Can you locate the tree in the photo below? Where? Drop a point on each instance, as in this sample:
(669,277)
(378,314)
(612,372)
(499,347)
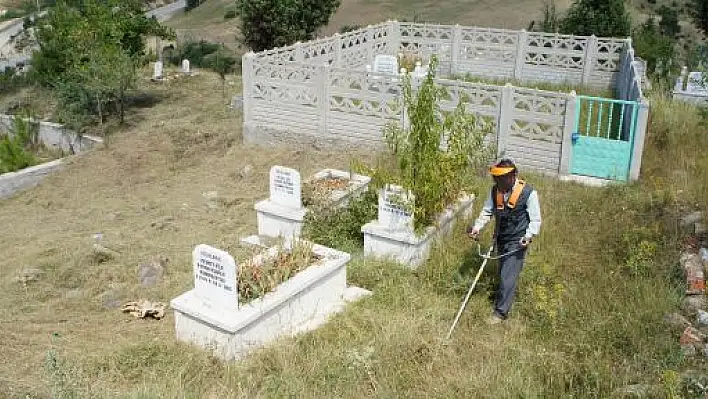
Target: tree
(654,47)
(265,24)
(669,23)
(604,18)
(699,12)
(221,62)
(72,23)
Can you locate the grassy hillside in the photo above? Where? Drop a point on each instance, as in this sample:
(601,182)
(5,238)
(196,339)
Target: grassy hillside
(587,319)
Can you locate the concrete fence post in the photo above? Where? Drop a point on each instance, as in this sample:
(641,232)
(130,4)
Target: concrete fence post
(571,104)
(521,44)
(247,79)
(337,50)
(323,97)
(589,59)
(455,49)
(506,117)
(394,36)
(639,139)
(369,45)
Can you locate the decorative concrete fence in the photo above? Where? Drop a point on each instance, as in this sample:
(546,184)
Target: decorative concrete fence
(321,92)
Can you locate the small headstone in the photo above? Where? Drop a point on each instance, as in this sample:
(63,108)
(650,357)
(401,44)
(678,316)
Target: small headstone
(392,212)
(237,103)
(157,74)
(215,276)
(185,66)
(285,187)
(151,273)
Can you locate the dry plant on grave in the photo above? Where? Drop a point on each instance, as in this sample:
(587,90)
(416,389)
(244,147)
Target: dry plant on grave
(261,275)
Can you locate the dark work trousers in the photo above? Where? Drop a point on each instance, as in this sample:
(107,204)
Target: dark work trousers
(509,269)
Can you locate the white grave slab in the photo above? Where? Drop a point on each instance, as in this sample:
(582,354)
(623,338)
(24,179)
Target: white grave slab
(157,73)
(285,187)
(215,277)
(391,213)
(185,66)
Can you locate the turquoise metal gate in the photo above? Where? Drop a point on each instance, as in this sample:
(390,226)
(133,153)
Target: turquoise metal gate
(603,138)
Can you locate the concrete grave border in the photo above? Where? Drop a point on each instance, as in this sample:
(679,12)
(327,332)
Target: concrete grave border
(300,304)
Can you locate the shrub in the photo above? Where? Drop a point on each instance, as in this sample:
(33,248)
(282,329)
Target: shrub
(230,14)
(195,52)
(13,155)
(265,24)
(435,177)
(349,28)
(605,18)
(340,228)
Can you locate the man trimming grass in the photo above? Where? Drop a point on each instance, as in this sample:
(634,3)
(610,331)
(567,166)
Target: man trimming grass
(517,213)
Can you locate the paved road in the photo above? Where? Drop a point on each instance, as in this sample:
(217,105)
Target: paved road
(166,12)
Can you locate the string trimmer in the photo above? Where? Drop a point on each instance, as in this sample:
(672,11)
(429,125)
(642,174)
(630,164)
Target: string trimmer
(479,273)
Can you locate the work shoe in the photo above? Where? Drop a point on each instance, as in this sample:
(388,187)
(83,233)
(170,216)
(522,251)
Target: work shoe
(494,319)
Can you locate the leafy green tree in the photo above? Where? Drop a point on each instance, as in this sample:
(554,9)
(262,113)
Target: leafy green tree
(604,18)
(222,62)
(654,47)
(669,23)
(266,24)
(71,23)
(698,9)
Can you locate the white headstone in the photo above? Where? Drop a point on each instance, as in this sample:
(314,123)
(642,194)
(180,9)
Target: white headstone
(185,66)
(392,212)
(215,277)
(158,70)
(285,187)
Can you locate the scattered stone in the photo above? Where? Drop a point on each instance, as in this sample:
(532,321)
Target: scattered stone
(692,218)
(144,309)
(693,266)
(212,199)
(29,275)
(74,294)
(702,318)
(677,321)
(151,273)
(110,300)
(693,303)
(102,254)
(166,223)
(691,336)
(699,228)
(688,350)
(247,171)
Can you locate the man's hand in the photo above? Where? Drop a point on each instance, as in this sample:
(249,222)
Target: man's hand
(525,241)
(472,233)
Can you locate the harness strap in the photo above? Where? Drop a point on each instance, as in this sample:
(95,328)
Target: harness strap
(515,194)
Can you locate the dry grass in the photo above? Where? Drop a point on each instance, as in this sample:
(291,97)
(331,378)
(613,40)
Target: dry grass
(145,195)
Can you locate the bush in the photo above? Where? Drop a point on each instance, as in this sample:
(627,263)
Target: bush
(604,18)
(231,14)
(196,52)
(655,48)
(435,177)
(13,155)
(341,228)
(265,24)
(192,4)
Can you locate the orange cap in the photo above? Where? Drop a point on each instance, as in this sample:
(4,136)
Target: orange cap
(500,170)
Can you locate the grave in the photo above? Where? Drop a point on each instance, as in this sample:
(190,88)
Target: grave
(337,197)
(210,316)
(282,214)
(185,67)
(391,236)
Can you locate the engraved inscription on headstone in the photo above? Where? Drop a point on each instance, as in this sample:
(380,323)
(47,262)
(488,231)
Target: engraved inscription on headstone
(215,276)
(285,187)
(392,209)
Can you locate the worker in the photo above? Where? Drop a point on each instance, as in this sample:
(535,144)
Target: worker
(515,207)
